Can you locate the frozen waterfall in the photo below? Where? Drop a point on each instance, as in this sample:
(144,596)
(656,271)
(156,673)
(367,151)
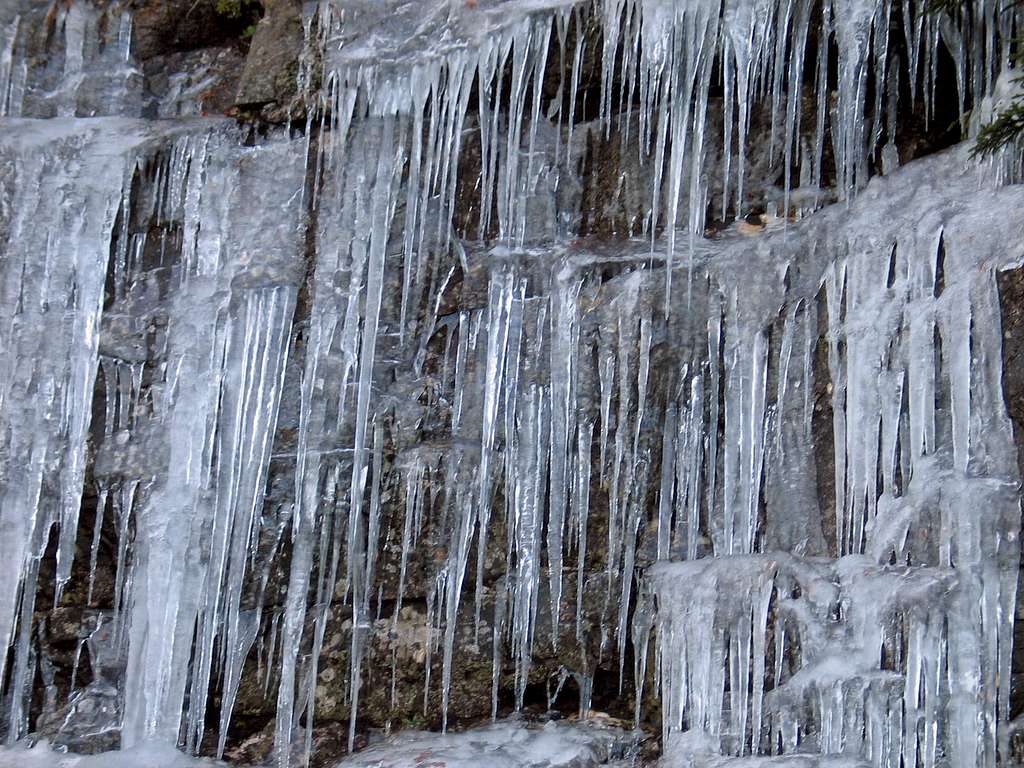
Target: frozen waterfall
(611,350)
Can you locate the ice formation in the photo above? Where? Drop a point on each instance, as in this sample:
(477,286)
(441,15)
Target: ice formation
(154,755)
(174,290)
(89,72)
(502,745)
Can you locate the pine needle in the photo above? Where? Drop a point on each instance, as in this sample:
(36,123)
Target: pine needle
(1005,129)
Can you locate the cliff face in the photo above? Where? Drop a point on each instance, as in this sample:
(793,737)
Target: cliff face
(400,365)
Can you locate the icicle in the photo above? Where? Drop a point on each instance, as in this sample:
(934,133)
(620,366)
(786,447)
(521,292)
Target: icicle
(667,489)
(218,411)
(581,505)
(249,407)
(94,547)
(564,335)
(53,273)
(500,293)
(690,440)
(12,71)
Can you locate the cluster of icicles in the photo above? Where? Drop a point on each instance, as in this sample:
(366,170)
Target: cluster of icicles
(151,273)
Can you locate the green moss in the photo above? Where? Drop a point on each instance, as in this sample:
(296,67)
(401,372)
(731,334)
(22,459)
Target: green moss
(952,7)
(415,723)
(240,9)
(242,14)
(230,8)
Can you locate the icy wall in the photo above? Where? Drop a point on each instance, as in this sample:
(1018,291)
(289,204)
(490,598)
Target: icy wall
(347,419)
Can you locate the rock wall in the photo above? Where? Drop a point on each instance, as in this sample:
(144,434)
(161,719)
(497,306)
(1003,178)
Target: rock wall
(561,361)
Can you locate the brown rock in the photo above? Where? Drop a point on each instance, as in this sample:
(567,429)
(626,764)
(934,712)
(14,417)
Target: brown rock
(269,77)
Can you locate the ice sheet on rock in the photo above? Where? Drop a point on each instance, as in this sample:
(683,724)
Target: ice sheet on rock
(503,401)
(66,183)
(70,60)
(694,749)
(425,59)
(548,306)
(431,87)
(91,716)
(153,755)
(504,744)
(187,87)
(229,327)
(336,424)
(871,639)
(397,32)
(859,653)
(673,760)
(94,245)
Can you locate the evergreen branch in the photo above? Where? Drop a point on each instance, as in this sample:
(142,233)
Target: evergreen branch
(1006,128)
(952,7)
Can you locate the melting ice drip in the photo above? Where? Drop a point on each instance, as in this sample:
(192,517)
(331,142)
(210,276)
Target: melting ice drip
(166,306)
